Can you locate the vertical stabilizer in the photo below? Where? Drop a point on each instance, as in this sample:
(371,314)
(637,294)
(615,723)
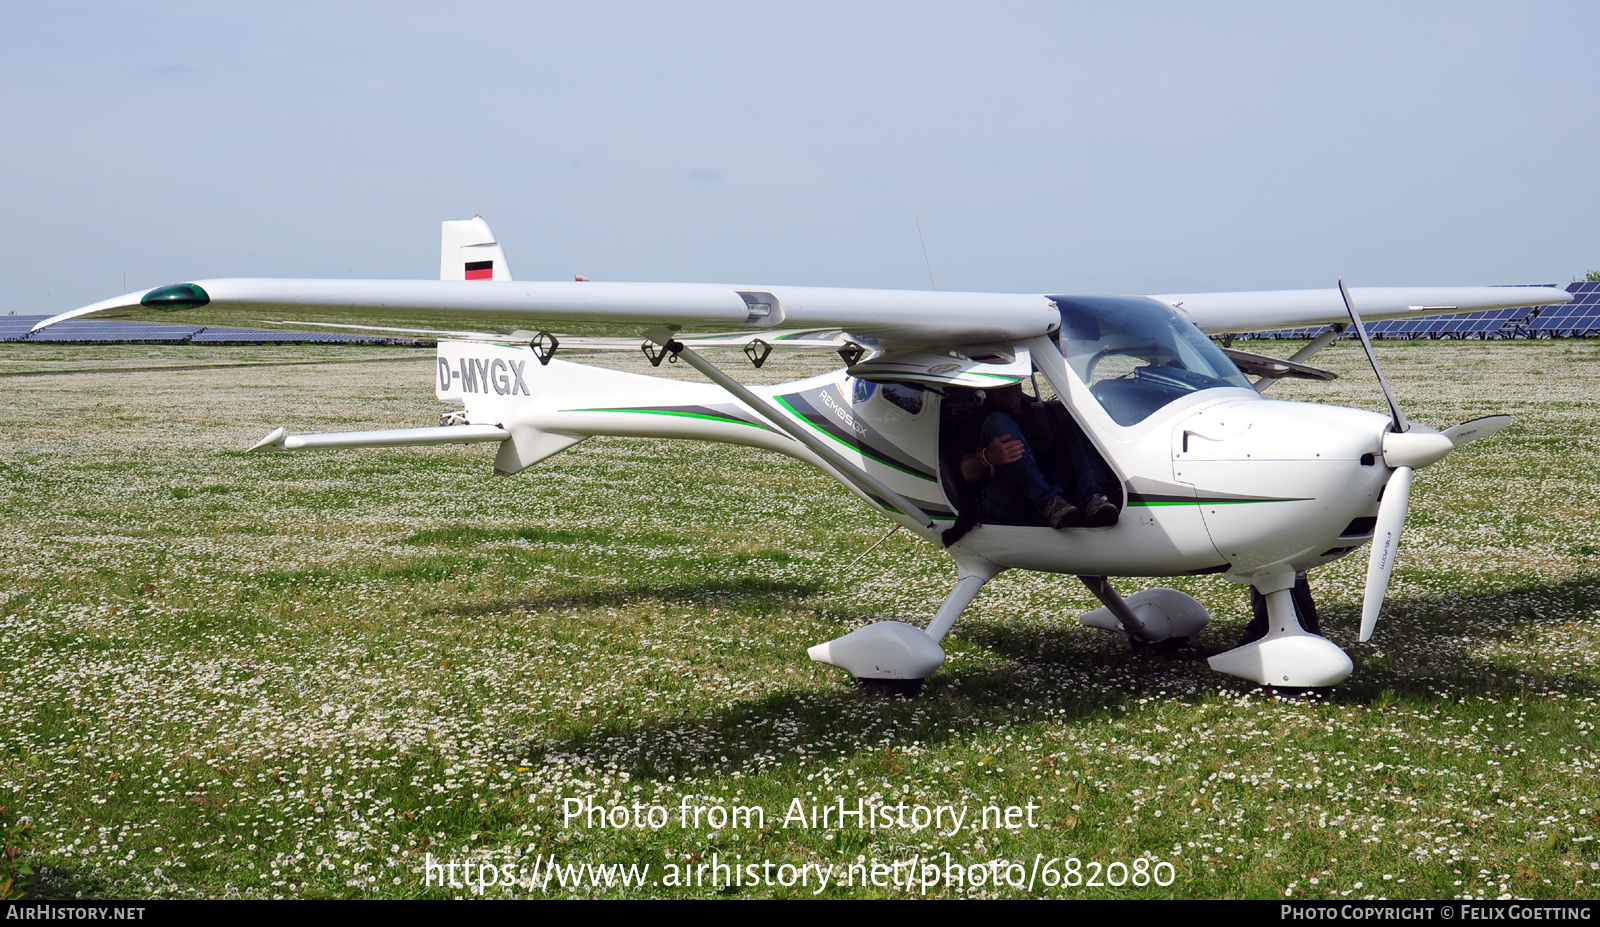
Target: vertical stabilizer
(468,251)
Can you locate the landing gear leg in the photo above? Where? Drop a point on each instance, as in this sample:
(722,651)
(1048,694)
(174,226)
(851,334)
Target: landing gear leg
(974,573)
(1131,624)
(1304,608)
(1164,617)
(1287,656)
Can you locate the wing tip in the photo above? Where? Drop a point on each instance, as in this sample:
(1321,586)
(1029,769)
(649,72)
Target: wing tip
(273,441)
(125,301)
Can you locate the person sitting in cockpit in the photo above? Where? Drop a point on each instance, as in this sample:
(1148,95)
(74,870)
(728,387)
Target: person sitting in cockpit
(1025,455)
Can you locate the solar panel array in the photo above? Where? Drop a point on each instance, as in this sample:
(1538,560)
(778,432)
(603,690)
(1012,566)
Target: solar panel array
(101,331)
(1577,319)
(94,331)
(264,336)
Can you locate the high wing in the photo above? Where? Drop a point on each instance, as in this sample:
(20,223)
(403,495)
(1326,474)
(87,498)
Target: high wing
(907,318)
(886,321)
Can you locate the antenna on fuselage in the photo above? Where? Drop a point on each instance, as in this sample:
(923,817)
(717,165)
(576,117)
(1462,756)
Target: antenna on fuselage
(870,550)
(924,244)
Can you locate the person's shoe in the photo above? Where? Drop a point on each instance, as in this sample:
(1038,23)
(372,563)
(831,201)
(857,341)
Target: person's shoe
(1101,513)
(1061,514)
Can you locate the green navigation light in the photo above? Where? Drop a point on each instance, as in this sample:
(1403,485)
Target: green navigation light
(176,296)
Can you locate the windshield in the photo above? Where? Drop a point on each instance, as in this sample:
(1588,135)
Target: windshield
(1137,355)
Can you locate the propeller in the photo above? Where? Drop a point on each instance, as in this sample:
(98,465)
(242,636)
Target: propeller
(1407,447)
(1400,423)
(1385,544)
(1477,428)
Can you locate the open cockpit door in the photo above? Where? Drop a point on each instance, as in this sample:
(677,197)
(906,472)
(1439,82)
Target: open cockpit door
(1059,451)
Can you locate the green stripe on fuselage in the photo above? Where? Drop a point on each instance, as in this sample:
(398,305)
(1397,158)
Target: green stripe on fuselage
(864,452)
(1160,502)
(673,412)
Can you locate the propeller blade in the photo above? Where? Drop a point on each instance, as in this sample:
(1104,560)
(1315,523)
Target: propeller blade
(1400,423)
(1385,545)
(1475,429)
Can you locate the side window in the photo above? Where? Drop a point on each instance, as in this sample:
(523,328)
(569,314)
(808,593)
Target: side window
(905,396)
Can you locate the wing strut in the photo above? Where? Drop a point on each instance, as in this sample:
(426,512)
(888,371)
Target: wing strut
(857,477)
(1301,356)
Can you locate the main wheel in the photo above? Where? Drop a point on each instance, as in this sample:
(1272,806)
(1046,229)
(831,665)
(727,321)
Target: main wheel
(1171,646)
(904,688)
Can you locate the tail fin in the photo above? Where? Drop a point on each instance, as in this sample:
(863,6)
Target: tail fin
(468,251)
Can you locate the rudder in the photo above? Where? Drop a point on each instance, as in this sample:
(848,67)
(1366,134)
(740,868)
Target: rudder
(468,251)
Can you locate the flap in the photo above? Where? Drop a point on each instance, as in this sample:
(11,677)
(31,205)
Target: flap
(980,366)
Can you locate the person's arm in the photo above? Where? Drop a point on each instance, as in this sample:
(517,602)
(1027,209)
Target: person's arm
(999,452)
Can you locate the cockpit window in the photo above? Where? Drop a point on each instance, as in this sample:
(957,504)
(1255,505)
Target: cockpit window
(904,395)
(907,396)
(1137,355)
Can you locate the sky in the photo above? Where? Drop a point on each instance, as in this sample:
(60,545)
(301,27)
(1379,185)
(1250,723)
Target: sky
(1055,147)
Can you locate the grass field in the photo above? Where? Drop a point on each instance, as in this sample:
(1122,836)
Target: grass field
(306,675)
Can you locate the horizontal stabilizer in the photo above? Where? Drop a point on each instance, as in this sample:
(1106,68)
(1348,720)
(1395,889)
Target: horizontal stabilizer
(281,440)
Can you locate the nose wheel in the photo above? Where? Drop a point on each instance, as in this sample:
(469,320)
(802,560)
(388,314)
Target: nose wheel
(1303,694)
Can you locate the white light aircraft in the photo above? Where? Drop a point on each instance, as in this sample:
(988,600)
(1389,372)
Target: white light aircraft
(1212,477)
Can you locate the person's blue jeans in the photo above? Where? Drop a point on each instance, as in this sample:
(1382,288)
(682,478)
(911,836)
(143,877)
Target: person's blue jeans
(1076,465)
(1015,493)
